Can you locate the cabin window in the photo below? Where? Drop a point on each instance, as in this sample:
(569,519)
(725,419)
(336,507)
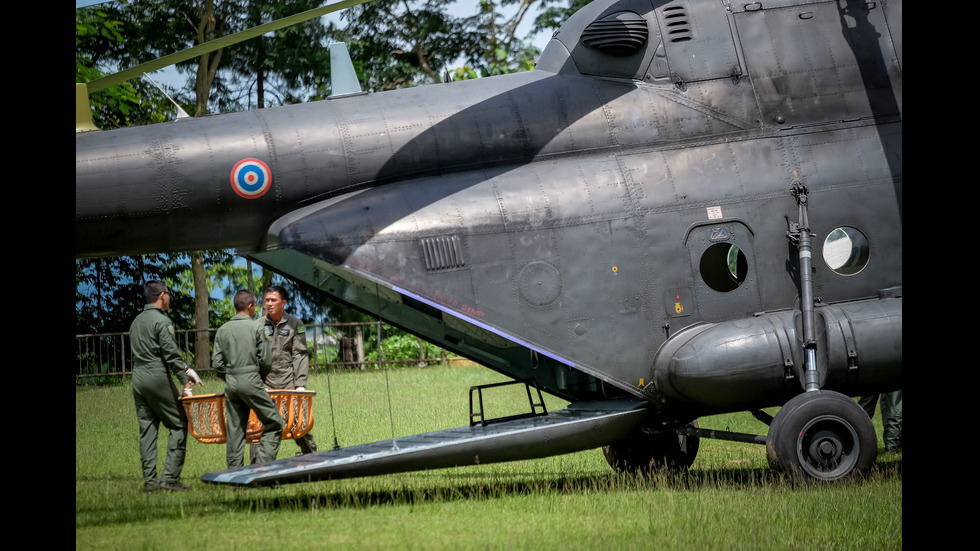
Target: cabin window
(724,267)
(846,250)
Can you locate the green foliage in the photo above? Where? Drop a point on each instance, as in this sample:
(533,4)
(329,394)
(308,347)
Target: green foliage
(94,372)
(502,62)
(225,276)
(554,12)
(279,69)
(497,48)
(109,291)
(399,346)
(100,41)
(398,44)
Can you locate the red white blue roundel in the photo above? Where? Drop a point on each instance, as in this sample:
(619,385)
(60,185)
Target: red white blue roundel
(251,178)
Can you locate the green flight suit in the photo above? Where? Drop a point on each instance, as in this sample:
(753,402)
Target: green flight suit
(241,357)
(290,362)
(891,417)
(155,351)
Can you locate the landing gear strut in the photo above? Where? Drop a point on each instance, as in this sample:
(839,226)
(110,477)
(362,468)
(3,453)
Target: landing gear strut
(651,448)
(822,435)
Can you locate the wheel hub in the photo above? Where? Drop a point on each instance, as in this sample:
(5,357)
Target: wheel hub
(827,446)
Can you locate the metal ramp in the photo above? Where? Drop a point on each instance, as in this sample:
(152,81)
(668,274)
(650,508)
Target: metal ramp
(580,426)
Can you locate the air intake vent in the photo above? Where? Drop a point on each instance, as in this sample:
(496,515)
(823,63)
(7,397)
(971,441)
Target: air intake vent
(678,27)
(621,33)
(442,253)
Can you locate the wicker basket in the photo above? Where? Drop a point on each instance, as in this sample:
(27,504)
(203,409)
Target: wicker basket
(206,416)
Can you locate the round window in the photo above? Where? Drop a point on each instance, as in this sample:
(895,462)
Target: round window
(724,267)
(846,250)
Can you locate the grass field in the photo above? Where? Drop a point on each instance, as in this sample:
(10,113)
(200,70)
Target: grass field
(727,500)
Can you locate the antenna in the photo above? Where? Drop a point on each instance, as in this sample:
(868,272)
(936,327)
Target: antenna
(181,114)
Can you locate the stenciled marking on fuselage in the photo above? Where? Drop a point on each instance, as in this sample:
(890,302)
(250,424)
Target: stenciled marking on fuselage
(251,178)
(482,325)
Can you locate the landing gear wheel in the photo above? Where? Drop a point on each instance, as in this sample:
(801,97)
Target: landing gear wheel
(823,436)
(649,449)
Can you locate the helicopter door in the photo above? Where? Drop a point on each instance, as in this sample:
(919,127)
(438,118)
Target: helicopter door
(723,263)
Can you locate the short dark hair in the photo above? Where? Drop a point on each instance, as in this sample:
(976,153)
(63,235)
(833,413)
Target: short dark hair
(277,289)
(243,299)
(152,290)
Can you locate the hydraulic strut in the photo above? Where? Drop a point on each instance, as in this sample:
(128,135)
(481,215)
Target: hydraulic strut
(799,234)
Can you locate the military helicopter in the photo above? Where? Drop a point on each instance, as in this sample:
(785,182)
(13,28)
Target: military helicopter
(687,208)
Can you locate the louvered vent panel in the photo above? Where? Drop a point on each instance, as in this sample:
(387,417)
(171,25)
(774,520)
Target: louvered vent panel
(442,253)
(621,33)
(678,27)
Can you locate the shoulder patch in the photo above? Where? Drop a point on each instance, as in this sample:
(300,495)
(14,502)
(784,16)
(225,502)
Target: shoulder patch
(170,327)
(301,329)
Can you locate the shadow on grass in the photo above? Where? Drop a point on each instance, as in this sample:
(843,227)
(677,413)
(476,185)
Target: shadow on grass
(419,488)
(111,502)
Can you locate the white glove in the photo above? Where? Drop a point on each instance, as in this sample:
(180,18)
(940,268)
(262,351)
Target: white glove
(301,388)
(195,379)
(188,392)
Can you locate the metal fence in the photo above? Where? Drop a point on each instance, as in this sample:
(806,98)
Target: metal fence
(105,357)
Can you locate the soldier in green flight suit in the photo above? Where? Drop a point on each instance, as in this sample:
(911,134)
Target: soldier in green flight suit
(891,417)
(290,363)
(155,352)
(242,357)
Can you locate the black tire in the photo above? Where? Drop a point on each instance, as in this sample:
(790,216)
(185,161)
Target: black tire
(647,449)
(822,436)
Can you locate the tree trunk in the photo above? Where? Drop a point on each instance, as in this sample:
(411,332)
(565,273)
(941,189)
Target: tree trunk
(202,340)
(359,339)
(207,64)
(250,285)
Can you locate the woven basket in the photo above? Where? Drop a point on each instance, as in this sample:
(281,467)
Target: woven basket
(206,416)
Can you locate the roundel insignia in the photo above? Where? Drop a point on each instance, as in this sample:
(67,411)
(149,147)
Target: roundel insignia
(251,178)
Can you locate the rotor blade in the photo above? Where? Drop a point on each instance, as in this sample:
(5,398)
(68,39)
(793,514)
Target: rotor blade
(212,45)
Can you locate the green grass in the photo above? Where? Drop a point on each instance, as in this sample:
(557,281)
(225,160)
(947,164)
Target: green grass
(729,499)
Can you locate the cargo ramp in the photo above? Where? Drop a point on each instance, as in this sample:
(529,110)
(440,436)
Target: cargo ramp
(580,426)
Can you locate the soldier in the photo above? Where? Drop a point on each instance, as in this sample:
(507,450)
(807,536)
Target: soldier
(891,417)
(290,363)
(242,358)
(154,352)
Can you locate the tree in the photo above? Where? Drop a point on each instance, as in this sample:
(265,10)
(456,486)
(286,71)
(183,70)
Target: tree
(399,43)
(109,291)
(554,12)
(155,29)
(99,44)
(498,49)
(290,64)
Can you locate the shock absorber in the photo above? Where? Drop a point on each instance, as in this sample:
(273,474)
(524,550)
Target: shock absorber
(799,234)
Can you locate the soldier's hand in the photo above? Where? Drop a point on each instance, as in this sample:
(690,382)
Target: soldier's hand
(301,388)
(195,379)
(188,392)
